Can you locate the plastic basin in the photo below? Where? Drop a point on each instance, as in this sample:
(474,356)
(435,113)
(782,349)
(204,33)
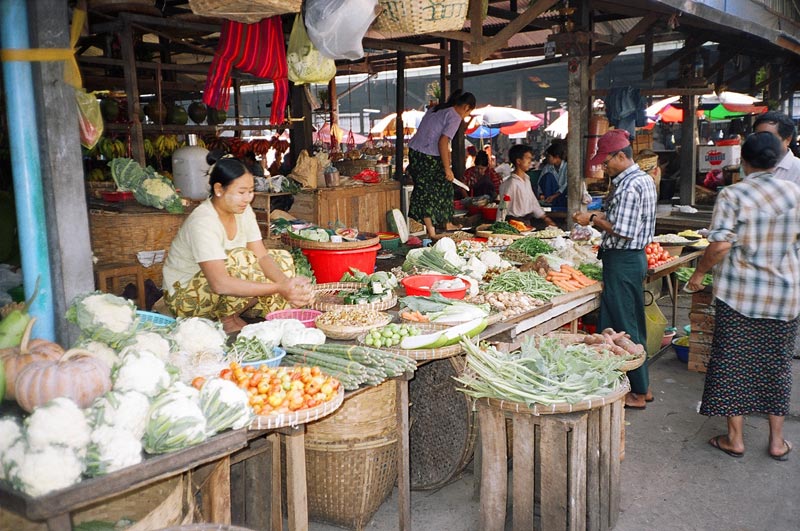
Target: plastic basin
(421,285)
(489,213)
(330,265)
(669,333)
(307,317)
(681,351)
(389,240)
(275,361)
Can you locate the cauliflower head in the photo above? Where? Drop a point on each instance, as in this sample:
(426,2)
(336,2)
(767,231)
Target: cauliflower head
(151,341)
(11,458)
(103,317)
(12,445)
(224,405)
(48,469)
(174,422)
(156,191)
(58,422)
(196,334)
(112,449)
(122,410)
(142,371)
(100,350)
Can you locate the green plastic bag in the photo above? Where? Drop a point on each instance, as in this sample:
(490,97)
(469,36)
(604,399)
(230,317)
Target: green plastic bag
(306,64)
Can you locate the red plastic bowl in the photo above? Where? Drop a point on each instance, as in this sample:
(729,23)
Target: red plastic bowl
(330,265)
(421,285)
(489,213)
(307,317)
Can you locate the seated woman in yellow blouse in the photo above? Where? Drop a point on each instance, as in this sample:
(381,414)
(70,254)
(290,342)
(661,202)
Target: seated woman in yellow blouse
(218,267)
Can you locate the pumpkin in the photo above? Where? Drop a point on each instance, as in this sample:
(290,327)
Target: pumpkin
(77,375)
(17,358)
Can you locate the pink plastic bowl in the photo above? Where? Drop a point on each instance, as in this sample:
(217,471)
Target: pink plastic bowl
(306,317)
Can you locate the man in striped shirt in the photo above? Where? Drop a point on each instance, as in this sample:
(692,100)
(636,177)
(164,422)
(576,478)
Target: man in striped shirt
(628,225)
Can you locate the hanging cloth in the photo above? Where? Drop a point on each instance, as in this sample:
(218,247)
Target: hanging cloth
(257,49)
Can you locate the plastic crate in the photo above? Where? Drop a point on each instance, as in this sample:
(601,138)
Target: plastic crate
(153,319)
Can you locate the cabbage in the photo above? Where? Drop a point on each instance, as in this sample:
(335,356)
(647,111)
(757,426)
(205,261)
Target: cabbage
(148,187)
(444,245)
(103,317)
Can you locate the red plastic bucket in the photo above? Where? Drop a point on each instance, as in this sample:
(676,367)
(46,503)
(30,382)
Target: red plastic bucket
(330,265)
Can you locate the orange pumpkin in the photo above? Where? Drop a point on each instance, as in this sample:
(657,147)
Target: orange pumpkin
(17,358)
(77,375)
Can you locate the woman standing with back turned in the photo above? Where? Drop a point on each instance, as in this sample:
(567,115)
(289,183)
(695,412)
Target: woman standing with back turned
(430,162)
(755,253)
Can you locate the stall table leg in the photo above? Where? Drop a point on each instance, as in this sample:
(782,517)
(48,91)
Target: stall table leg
(403,459)
(296,494)
(494,471)
(62,522)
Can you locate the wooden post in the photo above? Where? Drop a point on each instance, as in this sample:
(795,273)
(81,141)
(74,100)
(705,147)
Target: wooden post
(494,471)
(577,105)
(403,459)
(216,493)
(524,477)
(237,96)
(296,494)
(132,90)
(400,104)
(443,66)
(275,505)
(457,82)
(300,133)
(688,149)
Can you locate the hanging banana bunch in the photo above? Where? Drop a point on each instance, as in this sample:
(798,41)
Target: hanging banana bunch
(149,148)
(166,144)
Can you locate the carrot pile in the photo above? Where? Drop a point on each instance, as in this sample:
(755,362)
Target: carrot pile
(414,315)
(569,278)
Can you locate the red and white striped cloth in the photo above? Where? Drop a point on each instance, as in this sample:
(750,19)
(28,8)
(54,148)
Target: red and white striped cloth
(257,49)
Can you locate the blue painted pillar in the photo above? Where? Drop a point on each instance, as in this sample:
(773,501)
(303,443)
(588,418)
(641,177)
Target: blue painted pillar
(26,167)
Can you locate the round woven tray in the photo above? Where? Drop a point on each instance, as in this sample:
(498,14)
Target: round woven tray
(291,241)
(424,353)
(569,338)
(352,332)
(301,416)
(326,297)
(443,427)
(561,407)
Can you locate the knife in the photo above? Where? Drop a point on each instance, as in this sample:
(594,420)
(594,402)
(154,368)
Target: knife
(460,184)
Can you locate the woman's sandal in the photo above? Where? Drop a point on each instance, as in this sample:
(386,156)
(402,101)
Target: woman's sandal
(785,455)
(715,443)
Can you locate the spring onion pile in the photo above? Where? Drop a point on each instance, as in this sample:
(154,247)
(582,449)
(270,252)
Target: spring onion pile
(531,246)
(351,365)
(528,282)
(431,259)
(549,374)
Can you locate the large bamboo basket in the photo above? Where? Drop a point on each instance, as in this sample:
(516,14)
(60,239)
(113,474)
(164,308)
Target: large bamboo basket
(421,16)
(326,297)
(247,11)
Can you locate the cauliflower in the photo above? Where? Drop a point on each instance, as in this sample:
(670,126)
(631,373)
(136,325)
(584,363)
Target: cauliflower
(269,333)
(100,350)
(156,191)
(475,268)
(11,444)
(151,341)
(490,259)
(112,449)
(11,458)
(181,390)
(48,469)
(123,410)
(224,406)
(61,422)
(143,371)
(195,334)
(174,422)
(103,317)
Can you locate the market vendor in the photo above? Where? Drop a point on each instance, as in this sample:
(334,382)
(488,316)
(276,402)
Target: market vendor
(628,225)
(523,205)
(553,180)
(481,179)
(218,267)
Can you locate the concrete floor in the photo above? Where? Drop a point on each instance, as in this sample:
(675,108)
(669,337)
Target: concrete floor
(671,478)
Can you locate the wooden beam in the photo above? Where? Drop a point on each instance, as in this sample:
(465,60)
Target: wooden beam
(691,44)
(724,58)
(647,60)
(400,105)
(491,45)
(132,91)
(667,91)
(626,40)
(408,48)
(475,29)
(510,68)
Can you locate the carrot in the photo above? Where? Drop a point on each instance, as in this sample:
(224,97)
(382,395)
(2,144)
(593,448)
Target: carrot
(566,285)
(569,270)
(556,274)
(581,280)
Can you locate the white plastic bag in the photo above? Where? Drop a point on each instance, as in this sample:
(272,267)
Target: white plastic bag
(306,64)
(336,27)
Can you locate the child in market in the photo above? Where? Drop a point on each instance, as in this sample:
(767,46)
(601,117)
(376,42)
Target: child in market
(523,205)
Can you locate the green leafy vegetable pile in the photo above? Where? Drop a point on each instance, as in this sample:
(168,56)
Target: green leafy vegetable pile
(593,271)
(531,246)
(502,227)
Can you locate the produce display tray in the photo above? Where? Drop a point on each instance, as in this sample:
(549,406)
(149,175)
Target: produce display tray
(489,234)
(326,297)
(351,332)
(572,295)
(568,338)
(560,407)
(424,353)
(300,243)
(301,416)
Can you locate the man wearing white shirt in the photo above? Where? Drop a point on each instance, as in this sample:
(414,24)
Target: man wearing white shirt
(783,127)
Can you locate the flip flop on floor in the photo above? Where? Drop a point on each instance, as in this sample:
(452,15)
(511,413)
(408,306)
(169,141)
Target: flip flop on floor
(715,443)
(785,455)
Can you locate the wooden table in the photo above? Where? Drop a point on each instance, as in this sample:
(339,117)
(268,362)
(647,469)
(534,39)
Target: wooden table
(362,206)
(210,459)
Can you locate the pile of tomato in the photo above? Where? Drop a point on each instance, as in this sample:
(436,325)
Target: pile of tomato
(656,255)
(275,390)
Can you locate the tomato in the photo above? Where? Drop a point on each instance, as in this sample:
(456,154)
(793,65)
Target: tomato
(315,371)
(198,382)
(226,374)
(275,400)
(255,378)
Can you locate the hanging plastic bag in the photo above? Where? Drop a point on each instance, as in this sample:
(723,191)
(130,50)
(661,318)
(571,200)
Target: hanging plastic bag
(306,64)
(90,119)
(336,27)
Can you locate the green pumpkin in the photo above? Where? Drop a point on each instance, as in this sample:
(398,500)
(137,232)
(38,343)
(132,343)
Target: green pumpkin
(157,112)
(217,116)
(109,108)
(177,115)
(198,112)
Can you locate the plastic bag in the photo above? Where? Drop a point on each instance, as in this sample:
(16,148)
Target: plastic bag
(306,64)
(90,119)
(336,27)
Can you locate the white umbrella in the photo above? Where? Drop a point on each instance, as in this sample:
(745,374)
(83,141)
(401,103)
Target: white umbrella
(496,116)
(560,126)
(387,124)
(727,98)
(659,106)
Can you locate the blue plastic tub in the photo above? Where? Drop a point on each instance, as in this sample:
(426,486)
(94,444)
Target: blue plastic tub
(681,351)
(272,362)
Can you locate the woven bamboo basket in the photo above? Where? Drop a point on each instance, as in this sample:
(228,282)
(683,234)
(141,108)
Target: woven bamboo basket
(247,11)
(421,16)
(295,418)
(561,407)
(351,458)
(330,246)
(568,338)
(166,503)
(326,297)
(443,427)
(334,331)
(424,353)
(117,237)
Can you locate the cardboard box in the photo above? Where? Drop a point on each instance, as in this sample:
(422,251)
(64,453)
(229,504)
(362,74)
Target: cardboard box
(717,157)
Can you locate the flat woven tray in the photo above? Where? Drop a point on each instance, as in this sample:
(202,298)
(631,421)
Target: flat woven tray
(561,407)
(291,241)
(301,416)
(326,297)
(351,332)
(424,353)
(568,338)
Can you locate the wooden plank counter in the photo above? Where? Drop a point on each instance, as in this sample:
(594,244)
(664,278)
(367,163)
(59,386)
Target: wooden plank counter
(363,206)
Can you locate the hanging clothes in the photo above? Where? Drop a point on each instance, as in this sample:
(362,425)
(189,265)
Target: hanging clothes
(625,109)
(257,49)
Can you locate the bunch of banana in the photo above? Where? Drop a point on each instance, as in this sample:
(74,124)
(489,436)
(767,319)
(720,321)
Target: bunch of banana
(200,142)
(111,149)
(97,175)
(149,148)
(166,144)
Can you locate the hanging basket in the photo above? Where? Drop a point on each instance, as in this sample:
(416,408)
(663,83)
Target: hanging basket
(421,16)
(247,11)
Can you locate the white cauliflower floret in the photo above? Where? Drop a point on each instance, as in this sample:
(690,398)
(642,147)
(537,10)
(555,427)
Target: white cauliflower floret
(61,422)
(10,431)
(195,334)
(115,317)
(174,422)
(11,458)
(48,469)
(122,410)
(100,350)
(103,317)
(224,405)
(150,341)
(183,391)
(143,371)
(158,188)
(112,449)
